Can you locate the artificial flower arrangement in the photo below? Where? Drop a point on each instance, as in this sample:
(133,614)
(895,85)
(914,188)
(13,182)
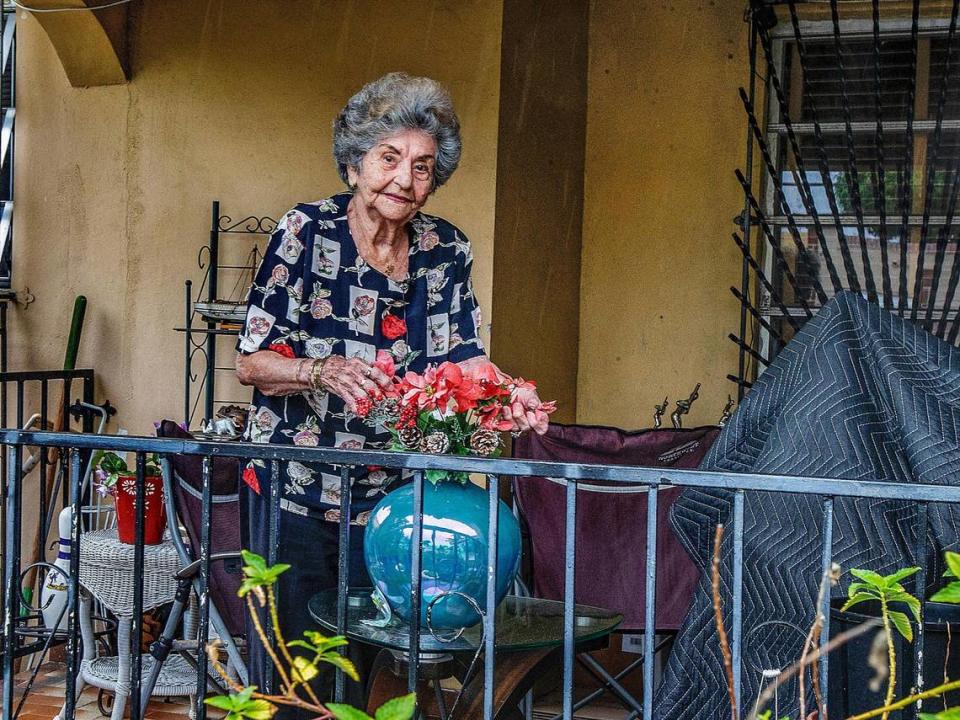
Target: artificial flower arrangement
(449,410)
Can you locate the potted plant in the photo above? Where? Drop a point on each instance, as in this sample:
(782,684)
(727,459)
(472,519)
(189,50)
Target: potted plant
(113,477)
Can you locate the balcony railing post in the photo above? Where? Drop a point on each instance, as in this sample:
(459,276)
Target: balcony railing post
(735,645)
(136,670)
(273,529)
(826,565)
(11,573)
(343,576)
(204,630)
(650,599)
(416,557)
(920,591)
(73,588)
(489,619)
(569,596)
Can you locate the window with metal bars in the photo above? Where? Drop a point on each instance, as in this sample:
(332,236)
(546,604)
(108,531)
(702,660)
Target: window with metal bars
(834,163)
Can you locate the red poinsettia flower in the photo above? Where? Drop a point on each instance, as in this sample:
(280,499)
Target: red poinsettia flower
(393,327)
(282,349)
(436,389)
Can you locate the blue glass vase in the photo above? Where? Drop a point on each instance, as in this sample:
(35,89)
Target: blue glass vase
(455,541)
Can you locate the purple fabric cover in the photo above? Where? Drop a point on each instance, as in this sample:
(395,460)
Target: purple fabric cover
(224,522)
(611,528)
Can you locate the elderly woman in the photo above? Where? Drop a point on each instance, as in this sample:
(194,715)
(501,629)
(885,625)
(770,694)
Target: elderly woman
(342,278)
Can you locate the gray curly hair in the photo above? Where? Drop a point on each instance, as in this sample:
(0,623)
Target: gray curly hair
(392,104)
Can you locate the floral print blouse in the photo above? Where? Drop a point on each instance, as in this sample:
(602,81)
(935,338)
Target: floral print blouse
(314,296)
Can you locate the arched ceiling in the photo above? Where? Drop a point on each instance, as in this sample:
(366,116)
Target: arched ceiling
(91,45)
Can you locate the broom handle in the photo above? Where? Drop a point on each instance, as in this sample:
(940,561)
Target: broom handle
(69,363)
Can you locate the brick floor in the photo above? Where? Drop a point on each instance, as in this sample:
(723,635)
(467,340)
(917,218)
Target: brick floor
(46,699)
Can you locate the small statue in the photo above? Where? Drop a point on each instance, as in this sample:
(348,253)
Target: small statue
(683,407)
(725,415)
(658,411)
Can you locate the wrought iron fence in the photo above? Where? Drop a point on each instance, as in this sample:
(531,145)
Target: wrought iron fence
(74,446)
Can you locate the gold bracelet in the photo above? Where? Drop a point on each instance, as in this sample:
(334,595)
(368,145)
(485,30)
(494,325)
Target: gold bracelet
(315,383)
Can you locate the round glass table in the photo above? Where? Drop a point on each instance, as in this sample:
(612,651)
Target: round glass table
(529,642)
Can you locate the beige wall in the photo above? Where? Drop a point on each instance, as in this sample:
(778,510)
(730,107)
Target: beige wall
(664,132)
(114,183)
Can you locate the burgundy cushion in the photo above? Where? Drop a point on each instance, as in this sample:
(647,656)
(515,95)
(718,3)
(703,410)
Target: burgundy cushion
(611,527)
(224,520)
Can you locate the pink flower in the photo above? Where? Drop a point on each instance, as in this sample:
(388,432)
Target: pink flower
(428,241)
(258,326)
(321,308)
(305,438)
(363,305)
(435,388)
(280,274)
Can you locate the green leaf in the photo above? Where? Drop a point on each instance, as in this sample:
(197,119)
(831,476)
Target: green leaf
(861,587)
(435,476)
(905,597)
(949,594)
(246,586)
(857,599)
(902,623)
(258,710)
(899,575)
(324,643)
(345,712)
(401,708)
(253,560)
(303,670)
(870,577)
(224,702)
(951,714)
(339,661)
(953,562)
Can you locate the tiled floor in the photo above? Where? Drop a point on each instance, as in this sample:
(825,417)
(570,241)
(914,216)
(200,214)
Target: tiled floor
(46,699)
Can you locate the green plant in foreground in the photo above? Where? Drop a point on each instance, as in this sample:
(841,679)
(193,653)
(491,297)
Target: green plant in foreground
(296,671)
(886,589)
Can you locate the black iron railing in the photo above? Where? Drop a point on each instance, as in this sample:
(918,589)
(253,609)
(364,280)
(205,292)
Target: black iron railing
(653,479)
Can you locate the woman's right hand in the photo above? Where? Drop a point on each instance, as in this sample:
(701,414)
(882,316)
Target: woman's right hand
(352,379)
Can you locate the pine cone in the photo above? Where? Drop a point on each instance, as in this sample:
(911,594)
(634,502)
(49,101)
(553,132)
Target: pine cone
(484,442)
(436,442)
(410,437)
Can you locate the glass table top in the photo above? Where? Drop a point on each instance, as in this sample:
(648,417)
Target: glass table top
(522,624)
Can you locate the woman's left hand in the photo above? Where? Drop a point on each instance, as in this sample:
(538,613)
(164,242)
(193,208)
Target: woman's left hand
(527,411)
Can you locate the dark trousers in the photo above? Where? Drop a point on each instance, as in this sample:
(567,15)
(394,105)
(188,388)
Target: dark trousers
(310,546)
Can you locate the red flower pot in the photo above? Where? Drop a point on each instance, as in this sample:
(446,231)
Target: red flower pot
(154,516)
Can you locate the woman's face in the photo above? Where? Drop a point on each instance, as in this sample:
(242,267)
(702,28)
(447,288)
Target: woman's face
(395,177)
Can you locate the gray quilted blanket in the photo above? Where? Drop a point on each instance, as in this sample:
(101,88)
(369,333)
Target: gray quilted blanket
(859,394)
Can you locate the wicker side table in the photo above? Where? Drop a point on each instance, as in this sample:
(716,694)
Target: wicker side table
(106,573)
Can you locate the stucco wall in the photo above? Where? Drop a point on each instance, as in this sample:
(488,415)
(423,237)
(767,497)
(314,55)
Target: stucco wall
(664,133)
(227,100)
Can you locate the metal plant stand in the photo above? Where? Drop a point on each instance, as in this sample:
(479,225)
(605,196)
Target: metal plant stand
(207,316)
